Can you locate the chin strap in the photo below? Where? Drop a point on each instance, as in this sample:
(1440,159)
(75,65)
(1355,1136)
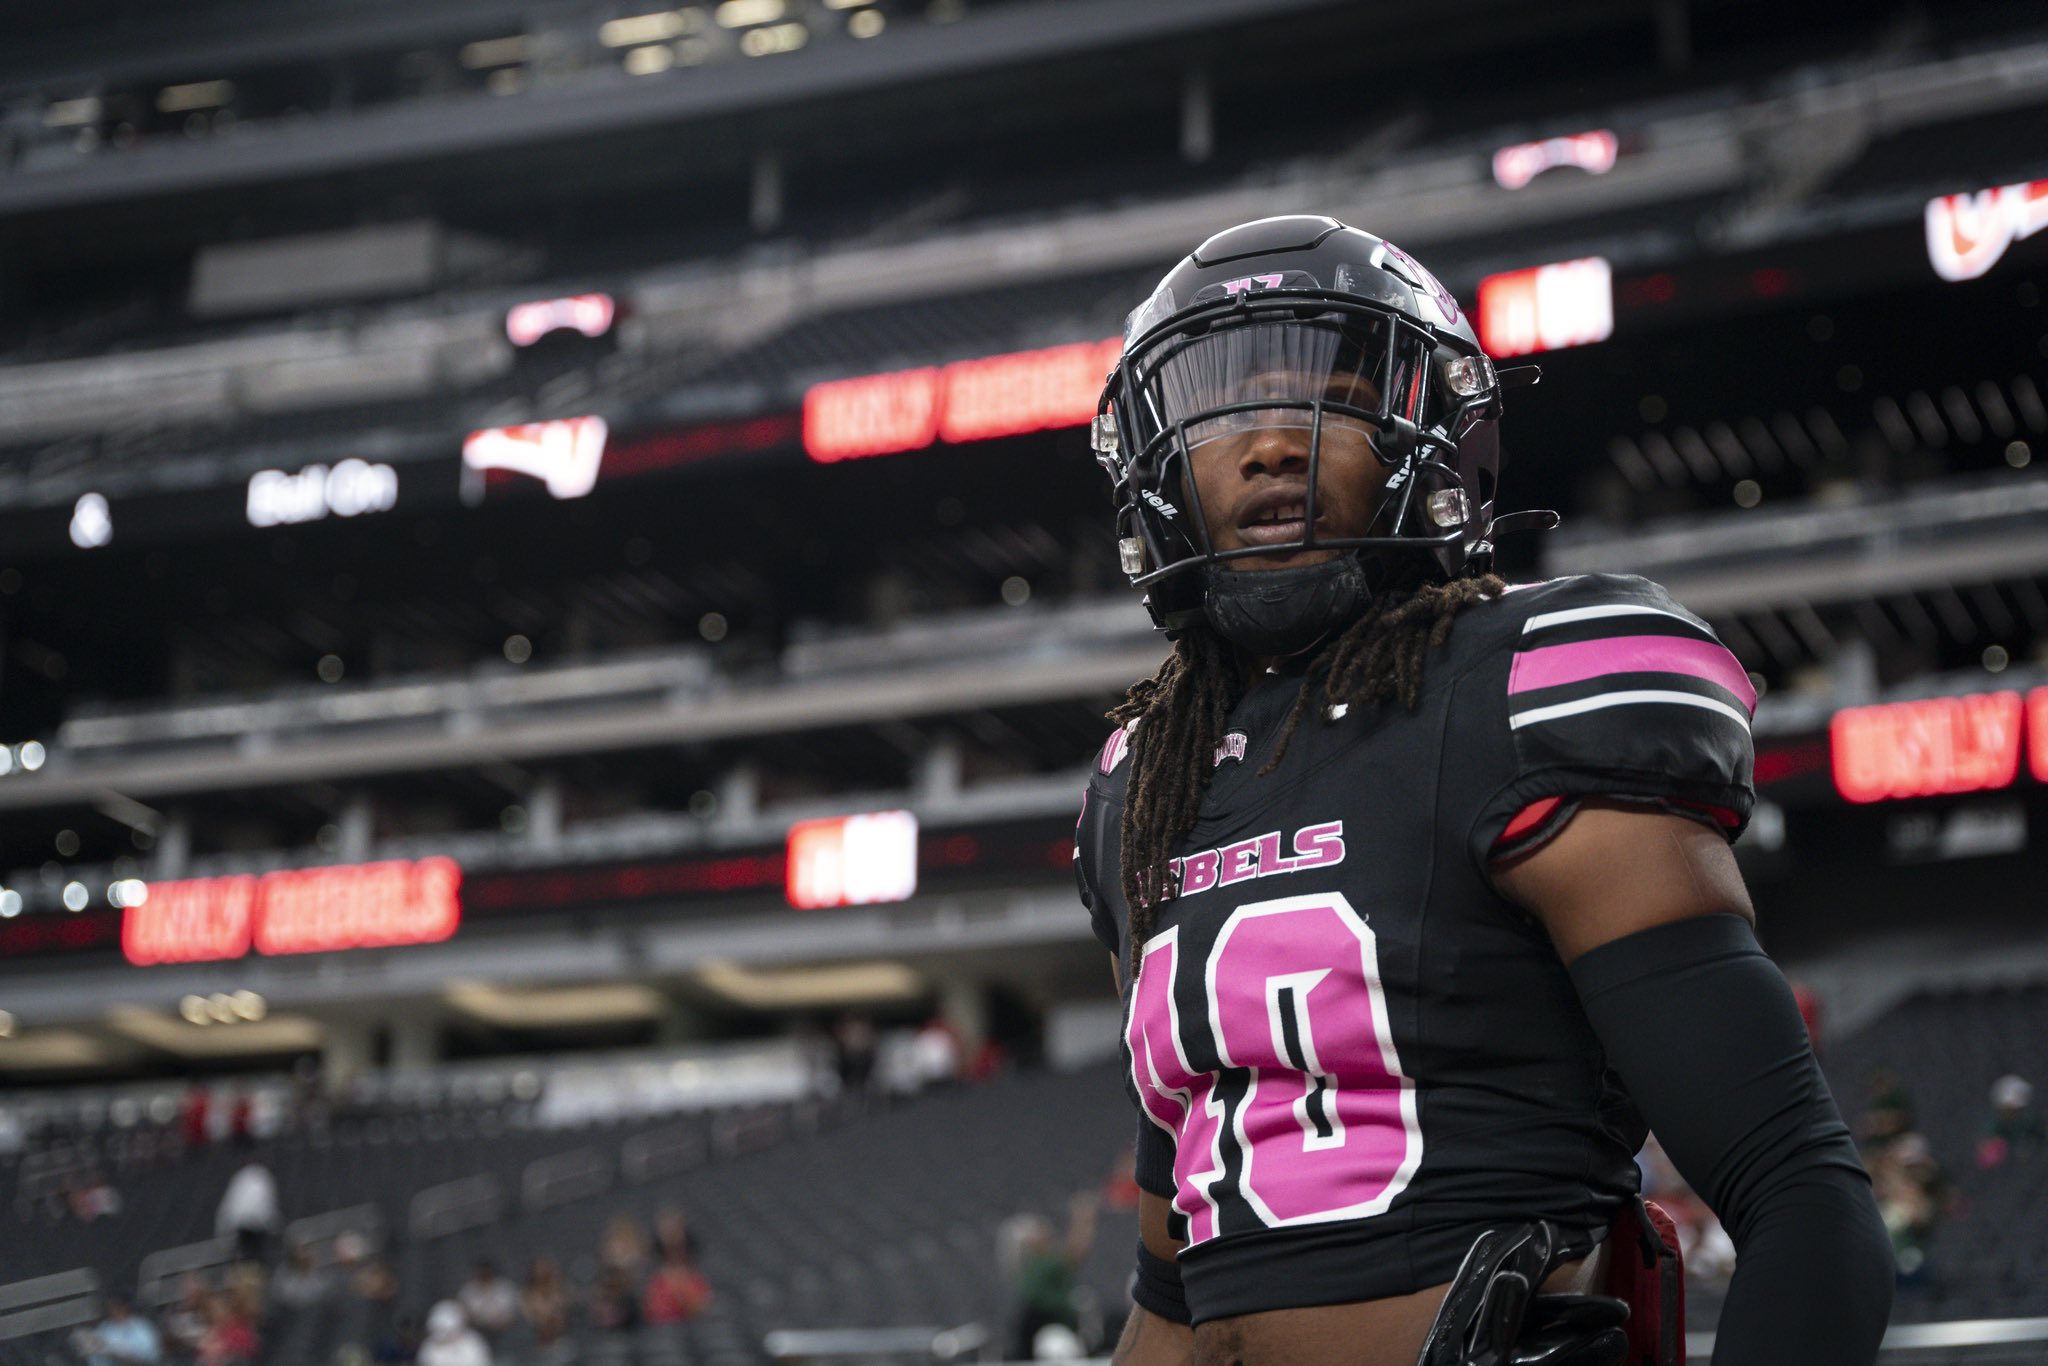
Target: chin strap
(1284,611)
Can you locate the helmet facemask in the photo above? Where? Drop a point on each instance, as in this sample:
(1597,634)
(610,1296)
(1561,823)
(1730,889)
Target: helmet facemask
(1327,364)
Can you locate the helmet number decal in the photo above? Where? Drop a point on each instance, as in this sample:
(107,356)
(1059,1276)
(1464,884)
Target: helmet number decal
(1233,288)
(1308,1117)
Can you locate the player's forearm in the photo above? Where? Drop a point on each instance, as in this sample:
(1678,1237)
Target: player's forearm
(1704,1031)
(1818,1242)
(1149,1340)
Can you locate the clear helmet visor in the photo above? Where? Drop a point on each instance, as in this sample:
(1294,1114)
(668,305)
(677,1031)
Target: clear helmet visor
(1268,374)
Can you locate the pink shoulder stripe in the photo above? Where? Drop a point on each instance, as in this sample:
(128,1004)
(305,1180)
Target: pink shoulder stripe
(1554,665)
(1114,749)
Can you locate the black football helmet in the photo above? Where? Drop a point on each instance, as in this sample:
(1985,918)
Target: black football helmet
(1298,321)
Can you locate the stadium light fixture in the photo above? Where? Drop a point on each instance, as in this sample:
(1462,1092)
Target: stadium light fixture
(183,99)
(31,755)
(799,988)
(6,1024)
(80,113)
(748,13)
(649,61)
(773,40)
(658,27)
(490,52)
(10,903)
(866,23)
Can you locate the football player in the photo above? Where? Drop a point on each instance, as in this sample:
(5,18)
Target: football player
(1419,886)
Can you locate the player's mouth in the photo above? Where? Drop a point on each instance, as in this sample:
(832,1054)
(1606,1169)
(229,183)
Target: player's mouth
(1277,517)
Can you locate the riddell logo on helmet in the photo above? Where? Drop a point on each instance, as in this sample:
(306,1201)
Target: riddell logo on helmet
(1160,505)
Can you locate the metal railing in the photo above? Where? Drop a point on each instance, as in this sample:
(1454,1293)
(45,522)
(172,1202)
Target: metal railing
(557,1180)
(156,1279)
(64,1300)
(453,1206)
(663,1152)
(320,1232)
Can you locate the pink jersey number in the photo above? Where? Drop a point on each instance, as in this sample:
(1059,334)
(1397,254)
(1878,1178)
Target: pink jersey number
(1176,1097)
(1327,1127)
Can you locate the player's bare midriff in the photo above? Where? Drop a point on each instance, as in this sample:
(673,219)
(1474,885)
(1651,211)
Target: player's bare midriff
(1373,1333)
(1387,1332)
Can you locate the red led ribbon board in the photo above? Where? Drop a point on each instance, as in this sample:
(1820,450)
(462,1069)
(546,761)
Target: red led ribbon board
(969,400)
(1928,748)
(2037,733)
(852,860)
(1546,308)
(305,910)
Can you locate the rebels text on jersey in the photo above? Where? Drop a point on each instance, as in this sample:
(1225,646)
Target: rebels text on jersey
(1349,1053)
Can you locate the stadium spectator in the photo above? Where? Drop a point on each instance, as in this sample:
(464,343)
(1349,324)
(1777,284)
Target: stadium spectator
(194,1117)
(2013,1126)
(450,1341)
(92,1197)
(935,1054)
(1913,1196)
(853,1046)
(123,1338)
(1044,1284)
(623,1249)
(675,1290)
(1890,1111)
(230,1338)
(672,1236)
(544,1302)
(301,1283)
(185,1324)
(489,1302)
(375,1287)
(613,1307)
(1121,1191)
(248,1210)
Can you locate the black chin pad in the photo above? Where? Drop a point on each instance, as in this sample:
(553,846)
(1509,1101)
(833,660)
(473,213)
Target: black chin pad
(1284,611)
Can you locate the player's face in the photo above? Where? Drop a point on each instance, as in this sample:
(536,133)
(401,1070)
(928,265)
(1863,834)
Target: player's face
(1253,483)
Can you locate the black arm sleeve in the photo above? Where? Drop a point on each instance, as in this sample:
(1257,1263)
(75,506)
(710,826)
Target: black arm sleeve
(1703,1030)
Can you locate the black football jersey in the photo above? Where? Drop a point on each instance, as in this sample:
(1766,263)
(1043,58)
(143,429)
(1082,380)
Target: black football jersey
(1350,1054)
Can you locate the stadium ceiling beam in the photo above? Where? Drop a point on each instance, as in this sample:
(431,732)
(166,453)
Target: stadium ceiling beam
(1013,35)
(659,946)
(1993,530)
(817,704)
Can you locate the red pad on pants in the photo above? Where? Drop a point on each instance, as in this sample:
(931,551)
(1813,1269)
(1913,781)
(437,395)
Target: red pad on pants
(1645,1271)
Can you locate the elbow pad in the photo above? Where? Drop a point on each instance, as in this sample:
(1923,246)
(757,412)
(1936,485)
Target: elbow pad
(1706,1036)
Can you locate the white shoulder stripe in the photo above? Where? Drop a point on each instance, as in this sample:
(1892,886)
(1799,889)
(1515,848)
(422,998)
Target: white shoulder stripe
(1615,609)
(1623,699)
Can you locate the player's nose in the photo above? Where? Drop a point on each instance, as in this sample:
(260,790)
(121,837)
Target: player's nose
(1274,450)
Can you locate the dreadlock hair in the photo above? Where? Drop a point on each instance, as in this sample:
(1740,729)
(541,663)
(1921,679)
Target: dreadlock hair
(1183,707)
